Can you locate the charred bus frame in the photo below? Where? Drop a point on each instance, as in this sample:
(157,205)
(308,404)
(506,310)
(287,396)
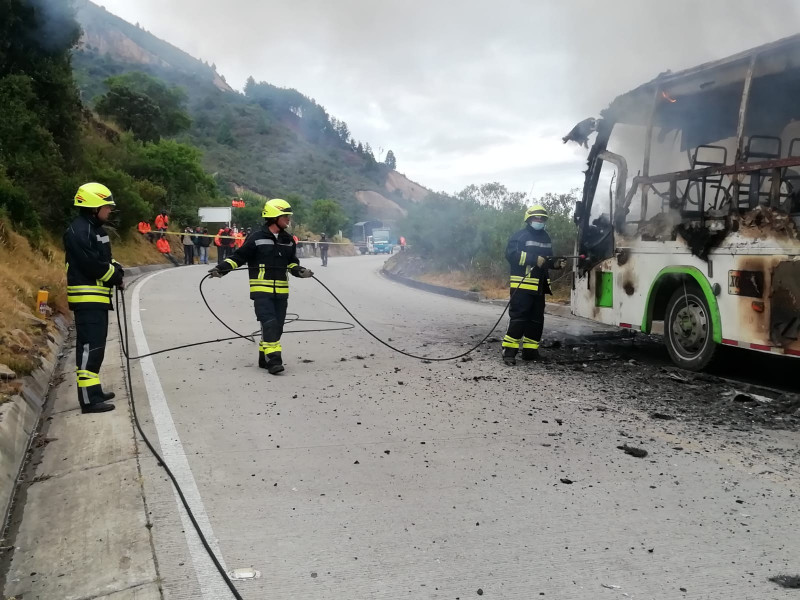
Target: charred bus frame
(707,200)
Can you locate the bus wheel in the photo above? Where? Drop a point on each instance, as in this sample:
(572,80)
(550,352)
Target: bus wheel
(688,331)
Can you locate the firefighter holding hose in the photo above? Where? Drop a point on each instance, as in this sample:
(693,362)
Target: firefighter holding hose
(270,254)
(530,255)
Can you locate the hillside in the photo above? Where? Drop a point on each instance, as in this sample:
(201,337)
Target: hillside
(272,140)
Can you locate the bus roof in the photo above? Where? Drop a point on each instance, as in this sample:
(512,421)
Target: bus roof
(635,106)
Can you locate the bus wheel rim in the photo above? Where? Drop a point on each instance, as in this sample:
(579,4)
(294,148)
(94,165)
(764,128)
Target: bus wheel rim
(690,328)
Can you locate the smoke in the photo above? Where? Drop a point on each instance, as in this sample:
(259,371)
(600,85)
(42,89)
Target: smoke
(55,28)
(494,84)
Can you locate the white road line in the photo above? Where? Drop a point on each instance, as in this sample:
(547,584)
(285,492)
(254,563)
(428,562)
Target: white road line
(209,580)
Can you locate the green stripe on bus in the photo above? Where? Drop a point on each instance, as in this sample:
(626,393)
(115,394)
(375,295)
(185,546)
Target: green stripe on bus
(698,276)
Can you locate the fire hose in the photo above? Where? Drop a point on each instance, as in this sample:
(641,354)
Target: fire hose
(125,344)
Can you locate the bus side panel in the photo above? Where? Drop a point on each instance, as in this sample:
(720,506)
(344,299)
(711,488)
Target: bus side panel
(757,302)
(594,295)
(633,281)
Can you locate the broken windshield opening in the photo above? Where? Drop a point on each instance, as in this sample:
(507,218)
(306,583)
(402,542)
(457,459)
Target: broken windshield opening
(628,141)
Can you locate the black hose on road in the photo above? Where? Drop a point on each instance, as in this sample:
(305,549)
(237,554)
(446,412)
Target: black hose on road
(125,344)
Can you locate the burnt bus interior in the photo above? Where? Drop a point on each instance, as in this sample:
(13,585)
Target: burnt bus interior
(696,153)
(694,156)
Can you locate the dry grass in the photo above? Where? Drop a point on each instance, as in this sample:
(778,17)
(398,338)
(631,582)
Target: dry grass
(24,270)
(491,287)
(136,250)
(470,282)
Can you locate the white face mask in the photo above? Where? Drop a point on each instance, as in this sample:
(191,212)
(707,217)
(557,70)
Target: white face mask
(537,225)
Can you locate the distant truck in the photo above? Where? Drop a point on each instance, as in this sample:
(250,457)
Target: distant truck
(363,238)
(381,243)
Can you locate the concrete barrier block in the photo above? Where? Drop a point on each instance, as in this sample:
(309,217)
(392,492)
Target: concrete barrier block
(17,422)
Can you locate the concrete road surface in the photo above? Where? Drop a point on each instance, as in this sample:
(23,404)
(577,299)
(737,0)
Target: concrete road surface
(360,473)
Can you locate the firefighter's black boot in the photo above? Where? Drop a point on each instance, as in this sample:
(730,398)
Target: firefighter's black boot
(97,407)
(530,354)
(510,356)
(107,395)
(274,363)
(262,360)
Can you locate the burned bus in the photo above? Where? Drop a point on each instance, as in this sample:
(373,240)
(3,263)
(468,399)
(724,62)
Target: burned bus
(691,206)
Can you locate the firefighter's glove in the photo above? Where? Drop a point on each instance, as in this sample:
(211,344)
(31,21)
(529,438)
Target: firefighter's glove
(302,272)
(541,261)
(559,263)
(117,277)
(215,272)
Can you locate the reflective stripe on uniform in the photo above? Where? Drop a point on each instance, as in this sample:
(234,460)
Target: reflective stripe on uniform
(539,244)
(269,286)
(103,239)
(510,342)
(95,299)
(88,293)
(87,378)
(108,274)
(232,263)
(292,266)
(270,347)
(100,289)
(265,242)
(270,282)
(524,283)
(522,257)
(525,286)
(528,343)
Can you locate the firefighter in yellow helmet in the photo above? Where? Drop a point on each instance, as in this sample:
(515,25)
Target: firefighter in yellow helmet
(529,254)
(91,276)
(269,253)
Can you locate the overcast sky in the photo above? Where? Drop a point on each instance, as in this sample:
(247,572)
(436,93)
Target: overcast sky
(466,91)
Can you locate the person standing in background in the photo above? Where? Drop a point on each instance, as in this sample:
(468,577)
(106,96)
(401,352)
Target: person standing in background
(162,221)
(224,242)
(323,249)
(205,242)
(188,246)
(196,240)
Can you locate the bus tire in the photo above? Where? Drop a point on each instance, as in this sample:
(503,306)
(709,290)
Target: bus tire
(688,329)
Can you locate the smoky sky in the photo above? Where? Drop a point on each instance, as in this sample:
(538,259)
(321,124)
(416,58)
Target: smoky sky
(463,92)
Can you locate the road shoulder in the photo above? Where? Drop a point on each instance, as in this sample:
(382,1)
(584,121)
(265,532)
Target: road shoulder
(82,530)
(552,308)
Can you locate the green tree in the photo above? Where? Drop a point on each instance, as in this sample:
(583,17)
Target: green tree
(225,131)
(249,86)
(300,208)
(131,110)
(39,126)
(470,231)
(560,225)
(145,106)
(326,216)
(177,169)
(390,161)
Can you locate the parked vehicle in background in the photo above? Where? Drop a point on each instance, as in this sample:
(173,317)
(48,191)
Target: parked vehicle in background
(361,232)
(381,240)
